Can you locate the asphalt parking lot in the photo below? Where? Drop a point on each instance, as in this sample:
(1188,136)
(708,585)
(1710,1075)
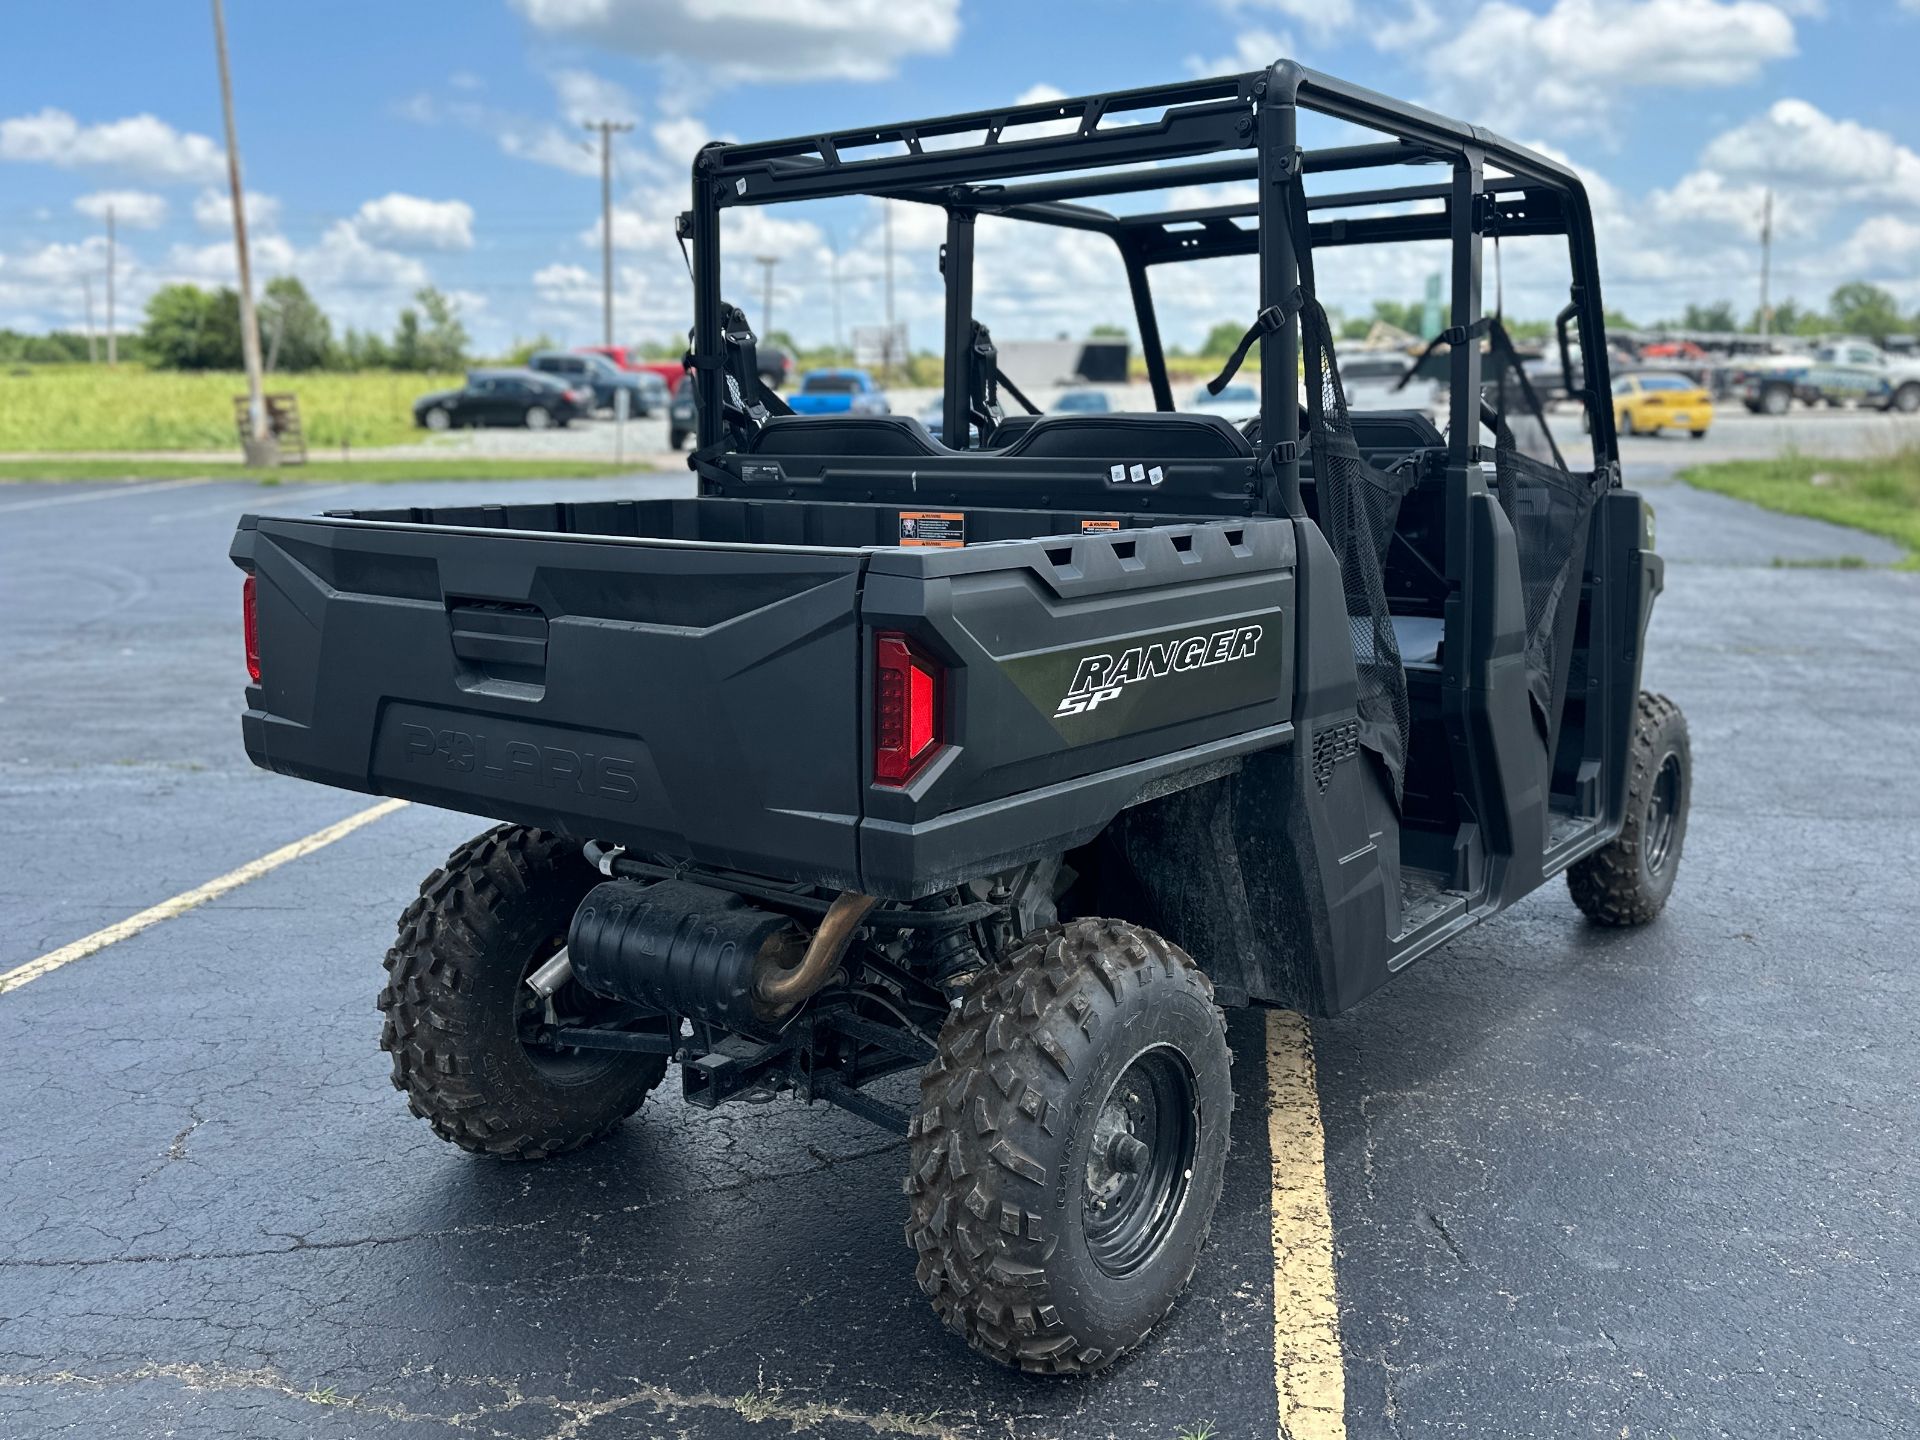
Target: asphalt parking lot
(1581,1183)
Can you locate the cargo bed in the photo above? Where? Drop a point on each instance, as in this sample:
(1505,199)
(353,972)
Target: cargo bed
(694,678)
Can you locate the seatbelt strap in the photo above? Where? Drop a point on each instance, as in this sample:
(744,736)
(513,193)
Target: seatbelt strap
(1454,335)
(1000,379)
(1274,317)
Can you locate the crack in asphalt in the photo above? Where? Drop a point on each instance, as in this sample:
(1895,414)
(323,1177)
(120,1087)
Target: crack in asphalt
(301,1245)
(572,1416)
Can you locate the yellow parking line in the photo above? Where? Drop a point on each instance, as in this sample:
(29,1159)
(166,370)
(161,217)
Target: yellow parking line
(1309,1378)
(180,904)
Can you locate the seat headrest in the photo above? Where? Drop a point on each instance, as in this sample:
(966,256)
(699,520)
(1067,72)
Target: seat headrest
(1160,435)
(880,435)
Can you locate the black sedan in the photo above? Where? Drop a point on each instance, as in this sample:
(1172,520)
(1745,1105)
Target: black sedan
(504,397)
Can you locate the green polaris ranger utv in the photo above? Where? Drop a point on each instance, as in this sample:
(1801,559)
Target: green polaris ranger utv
(1012,760)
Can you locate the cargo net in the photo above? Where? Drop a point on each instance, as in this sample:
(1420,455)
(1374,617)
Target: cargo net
(1359,505)
(1549,509)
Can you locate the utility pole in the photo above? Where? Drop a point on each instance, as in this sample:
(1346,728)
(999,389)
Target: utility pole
(606,129)
(93,350)
(1766,264)
(766,263)
(886,346)
(258,447)
(833,241)
(113,342)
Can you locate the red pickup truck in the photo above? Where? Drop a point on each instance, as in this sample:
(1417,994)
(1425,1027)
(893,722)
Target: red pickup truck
(628,359)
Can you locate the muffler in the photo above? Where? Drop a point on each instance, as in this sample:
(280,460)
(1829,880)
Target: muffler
(697,951)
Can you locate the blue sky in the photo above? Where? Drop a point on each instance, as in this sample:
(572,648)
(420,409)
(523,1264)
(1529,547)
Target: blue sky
(393,145)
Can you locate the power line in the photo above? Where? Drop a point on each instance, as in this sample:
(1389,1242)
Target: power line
(607,130)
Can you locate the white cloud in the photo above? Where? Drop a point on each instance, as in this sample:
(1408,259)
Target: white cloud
(62,264)
(1795,144)
(409,222)
(759,39)
(140,209)
(1507,65)
(139,145)
(1706,197)
(1884,247)
(1252,50)
(586,97)
(1320,18)
(213,210)
(679,140)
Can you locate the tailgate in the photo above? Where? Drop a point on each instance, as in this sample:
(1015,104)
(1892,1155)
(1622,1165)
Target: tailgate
(694,699)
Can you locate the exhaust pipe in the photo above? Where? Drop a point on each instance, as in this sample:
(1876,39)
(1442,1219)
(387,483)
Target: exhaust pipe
(692,950)
(783,989)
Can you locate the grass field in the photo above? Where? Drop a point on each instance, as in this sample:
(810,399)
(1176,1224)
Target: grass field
(1879,495)
(88,407)
(371,472)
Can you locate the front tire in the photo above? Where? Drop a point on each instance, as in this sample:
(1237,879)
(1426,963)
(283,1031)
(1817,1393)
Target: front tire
(1070,1146)
(677,439)
(437,419)
(458,1013)
(1906,399)
(1628,882)
(1776,400)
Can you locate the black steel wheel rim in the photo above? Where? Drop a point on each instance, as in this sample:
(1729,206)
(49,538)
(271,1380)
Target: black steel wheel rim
(1140,1164)
(1663,813)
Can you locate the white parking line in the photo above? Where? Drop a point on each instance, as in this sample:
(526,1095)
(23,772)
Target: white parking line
(113,492)
(1309,1375)
(180,904)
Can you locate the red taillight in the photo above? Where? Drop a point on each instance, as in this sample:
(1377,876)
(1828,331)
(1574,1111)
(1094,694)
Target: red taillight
(250,608)
(908,722)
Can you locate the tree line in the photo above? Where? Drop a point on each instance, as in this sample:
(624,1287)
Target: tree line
(190,328)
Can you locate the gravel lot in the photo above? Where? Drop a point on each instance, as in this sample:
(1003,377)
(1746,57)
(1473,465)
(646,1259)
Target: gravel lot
(1582,1183)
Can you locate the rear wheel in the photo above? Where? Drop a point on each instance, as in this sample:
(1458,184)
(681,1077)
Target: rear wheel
(539,417)
(677,439)
(1628,882)
(462,1024)
(1069,1147)
(1776,399)
(1907,399)
(1698,434)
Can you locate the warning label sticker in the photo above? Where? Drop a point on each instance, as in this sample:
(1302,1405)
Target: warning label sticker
(941,529)
(1086,525)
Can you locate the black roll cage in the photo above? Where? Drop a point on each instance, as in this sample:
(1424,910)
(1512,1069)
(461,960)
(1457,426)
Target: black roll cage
(985,170)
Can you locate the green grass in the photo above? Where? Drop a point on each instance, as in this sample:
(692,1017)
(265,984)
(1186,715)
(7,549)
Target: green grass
(1880,495)
(89,407)
(378,472)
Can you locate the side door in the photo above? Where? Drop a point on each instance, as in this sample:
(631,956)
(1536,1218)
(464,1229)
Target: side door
(501,404)
(1869,370)
(469,406)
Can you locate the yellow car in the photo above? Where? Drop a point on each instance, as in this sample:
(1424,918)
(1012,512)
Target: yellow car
(1649,402)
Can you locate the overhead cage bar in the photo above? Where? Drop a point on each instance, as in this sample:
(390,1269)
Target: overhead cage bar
(1039,162)
(1198,117)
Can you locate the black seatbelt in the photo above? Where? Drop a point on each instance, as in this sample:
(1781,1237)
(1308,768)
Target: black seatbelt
(1454,335)
(746,401)
(1274,317)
